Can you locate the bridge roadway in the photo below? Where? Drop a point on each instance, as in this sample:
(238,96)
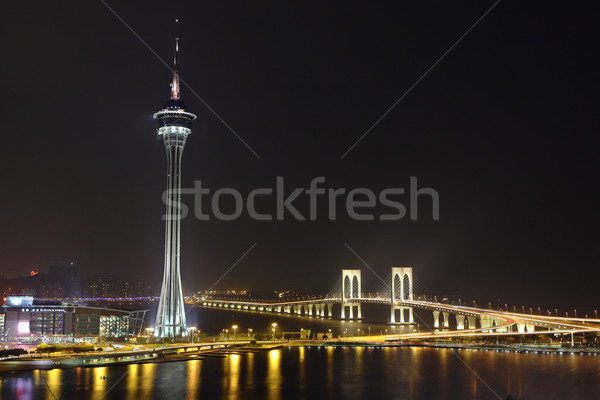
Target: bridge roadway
(489,321)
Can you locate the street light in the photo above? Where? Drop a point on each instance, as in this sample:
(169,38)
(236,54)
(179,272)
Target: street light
(148,330)
(192,329)
(249,331)
(234,328)
(274,324)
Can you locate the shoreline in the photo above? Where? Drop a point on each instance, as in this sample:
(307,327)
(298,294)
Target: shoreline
(155,356)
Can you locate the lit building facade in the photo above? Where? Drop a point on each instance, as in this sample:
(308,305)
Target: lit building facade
(24,317)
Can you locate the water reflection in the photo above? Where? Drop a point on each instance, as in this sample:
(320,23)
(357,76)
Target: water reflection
(358,359)
(133,380)
(54,384)
(301,365)
(147,374)
(99,376)
(274,374)
(407,373)
(193,379)
(18,387)
(36,377)
(234,373)
(250,368)
(330,368)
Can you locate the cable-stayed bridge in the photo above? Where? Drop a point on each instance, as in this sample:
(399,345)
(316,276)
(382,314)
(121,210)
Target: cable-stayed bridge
(346,300)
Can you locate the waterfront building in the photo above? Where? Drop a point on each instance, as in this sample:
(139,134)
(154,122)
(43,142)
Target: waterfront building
(25,317)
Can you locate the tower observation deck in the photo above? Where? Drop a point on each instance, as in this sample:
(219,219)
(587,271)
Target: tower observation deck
(174,126)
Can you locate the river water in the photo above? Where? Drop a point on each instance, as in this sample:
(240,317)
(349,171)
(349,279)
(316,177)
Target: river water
(322,372)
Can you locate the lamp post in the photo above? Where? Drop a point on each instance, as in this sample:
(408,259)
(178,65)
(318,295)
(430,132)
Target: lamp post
(249,331)
(148,330)
(234,328)
(274,324)
(192,329)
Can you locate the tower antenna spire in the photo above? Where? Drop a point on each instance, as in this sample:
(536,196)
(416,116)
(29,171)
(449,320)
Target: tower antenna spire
(175,89)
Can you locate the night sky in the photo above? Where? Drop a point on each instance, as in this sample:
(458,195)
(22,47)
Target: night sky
(503,128)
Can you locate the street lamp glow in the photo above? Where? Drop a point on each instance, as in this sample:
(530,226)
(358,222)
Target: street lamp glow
(234,328)
(148,330)
(191,330)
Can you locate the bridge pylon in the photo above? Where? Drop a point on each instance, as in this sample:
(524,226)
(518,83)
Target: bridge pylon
(351,293)
(401,292)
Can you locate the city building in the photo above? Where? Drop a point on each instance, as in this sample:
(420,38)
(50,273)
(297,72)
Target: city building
(68,276)
(26,317)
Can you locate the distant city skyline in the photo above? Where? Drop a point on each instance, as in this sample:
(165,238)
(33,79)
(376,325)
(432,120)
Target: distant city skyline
(66,282)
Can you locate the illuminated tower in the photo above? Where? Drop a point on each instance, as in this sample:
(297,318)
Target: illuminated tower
(174,126)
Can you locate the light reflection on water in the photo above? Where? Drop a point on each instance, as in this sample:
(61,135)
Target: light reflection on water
(54,383)
(274,374)
(193,379)
(234,362)
(301,364)
(366,372)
